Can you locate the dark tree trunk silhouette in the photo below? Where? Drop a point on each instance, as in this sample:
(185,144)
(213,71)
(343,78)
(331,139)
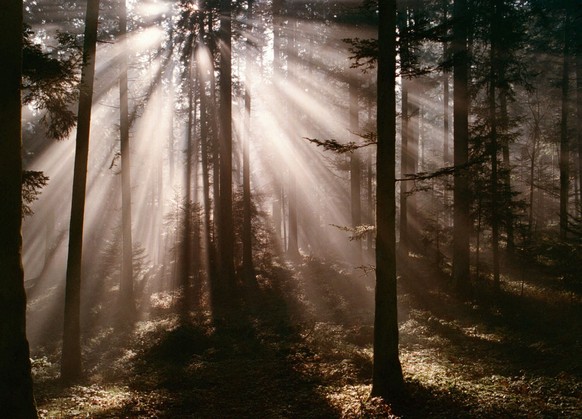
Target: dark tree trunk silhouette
(404,132)
(564,140)
(387,371)
(446,95)
(493,72)
(225,235)
(16,395)
(404,168)
(355,169)
(186,268)
(247,233)
(579,106)
(461,194)
(293,242)
(71,369)
(126,299)
(205,151)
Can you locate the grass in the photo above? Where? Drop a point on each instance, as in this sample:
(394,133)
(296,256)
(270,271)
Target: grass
(300,347)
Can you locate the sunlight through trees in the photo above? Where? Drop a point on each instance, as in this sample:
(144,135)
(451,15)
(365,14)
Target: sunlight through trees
(333,199)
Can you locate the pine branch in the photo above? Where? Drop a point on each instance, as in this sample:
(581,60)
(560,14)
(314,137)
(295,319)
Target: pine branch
(340,148)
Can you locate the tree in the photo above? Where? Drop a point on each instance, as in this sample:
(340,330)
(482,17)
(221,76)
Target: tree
(494,73)
(16,395)
(247,235)
(127,303)
(564,139)
(461,192)
(578,54)
(387,375)
(226,235)
(355,167)
(71,368)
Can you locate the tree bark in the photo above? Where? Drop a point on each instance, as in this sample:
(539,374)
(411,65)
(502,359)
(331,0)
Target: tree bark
(387,379)
(579,106)
(71,368)
(16,394)
(293,242)
(564,140)
(493,73)
(461,193)
(247,241)
(126,299)
(355,170)
(404,168)
(226,236)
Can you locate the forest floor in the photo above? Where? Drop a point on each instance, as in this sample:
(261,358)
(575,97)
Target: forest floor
(300,347)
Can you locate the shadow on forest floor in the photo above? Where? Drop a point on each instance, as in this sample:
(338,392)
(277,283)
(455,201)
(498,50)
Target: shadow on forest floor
(300,346)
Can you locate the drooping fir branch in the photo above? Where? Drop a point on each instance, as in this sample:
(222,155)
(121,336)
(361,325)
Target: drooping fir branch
(443,171)
(341,148)
(364,53)
(32,183)
(50,81)
(359,232)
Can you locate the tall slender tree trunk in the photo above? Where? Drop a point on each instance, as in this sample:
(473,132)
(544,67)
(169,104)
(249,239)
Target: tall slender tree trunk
(71,369)
(579,106)
(446,95)
(206,158)
(493,73)
(564,140)
(16,395)
(185,271)
(387,379)
(461,193)
(413,150)
(226,235)
(370,212)
(355,169)
(404,168)
(293,242)
(504,125)
(404,132)
(126,298)
(247,241)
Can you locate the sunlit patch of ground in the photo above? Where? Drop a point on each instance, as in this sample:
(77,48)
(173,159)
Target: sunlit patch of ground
(302,347)
(103,401)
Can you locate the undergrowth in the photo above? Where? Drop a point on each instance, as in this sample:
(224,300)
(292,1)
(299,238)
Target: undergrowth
(301,346)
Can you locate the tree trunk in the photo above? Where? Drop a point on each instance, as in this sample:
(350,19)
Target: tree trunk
(293,242)
(564,141)
(71,369)
(493,67)
(355,170)
(247,233)
(387,372)
(504,125)
(446,96)
(370,212)
(413,148)
(185,270)
(579,107)
(16,395)
(403,245)
(404,168)
(205,152)
(461,193)
(226,236)
(126,298)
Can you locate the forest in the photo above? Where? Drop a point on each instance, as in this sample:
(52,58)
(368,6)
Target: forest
(291,209)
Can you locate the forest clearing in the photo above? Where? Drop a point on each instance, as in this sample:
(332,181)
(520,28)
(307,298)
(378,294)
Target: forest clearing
(291,209)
